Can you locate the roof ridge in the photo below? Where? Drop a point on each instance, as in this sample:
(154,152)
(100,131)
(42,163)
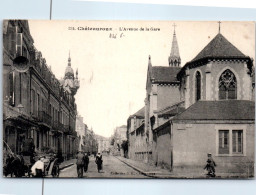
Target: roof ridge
(167,107)
(201,110)
(219,46)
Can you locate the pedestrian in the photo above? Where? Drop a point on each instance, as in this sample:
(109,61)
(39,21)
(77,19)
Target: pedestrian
(210,166)
(80,164)
(99,162)
(86,162)
(38,168)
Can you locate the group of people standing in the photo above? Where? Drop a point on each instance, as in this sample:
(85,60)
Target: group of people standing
(83,162)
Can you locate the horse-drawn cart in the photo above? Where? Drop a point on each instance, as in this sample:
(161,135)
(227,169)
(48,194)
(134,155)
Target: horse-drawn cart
(20,165)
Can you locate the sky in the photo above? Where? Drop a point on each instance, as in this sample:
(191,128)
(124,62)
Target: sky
(112,65)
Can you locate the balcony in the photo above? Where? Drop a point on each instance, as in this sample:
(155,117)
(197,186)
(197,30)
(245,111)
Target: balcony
(43,117)
(66,129)
(61,127)
(55,125)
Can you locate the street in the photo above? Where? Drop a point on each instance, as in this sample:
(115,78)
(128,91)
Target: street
(112,168)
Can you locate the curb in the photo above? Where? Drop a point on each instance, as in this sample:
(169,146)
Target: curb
(137,169)
(66,166)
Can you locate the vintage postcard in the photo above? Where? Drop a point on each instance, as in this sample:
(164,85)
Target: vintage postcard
(128,99)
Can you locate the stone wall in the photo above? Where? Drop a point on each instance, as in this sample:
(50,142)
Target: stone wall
(192,143)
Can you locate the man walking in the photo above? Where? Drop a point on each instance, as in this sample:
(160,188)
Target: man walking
(80,164)
(86,162)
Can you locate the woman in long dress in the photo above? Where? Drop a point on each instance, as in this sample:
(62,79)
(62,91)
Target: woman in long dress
(99,161)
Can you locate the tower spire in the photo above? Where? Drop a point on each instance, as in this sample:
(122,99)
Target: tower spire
(174,58)
(174,25)
(219,25)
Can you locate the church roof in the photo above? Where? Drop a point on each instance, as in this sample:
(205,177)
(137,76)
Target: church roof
(139,113)
(219,110)
(164,74)
(219,47)
(172,110)
(175,48)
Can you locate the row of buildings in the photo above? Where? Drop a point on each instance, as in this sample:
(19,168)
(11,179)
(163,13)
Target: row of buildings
(206,106)
(87,139)
(103,144)
(118,141)
(35,103)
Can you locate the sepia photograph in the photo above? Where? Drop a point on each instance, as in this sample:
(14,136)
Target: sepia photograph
(128,99)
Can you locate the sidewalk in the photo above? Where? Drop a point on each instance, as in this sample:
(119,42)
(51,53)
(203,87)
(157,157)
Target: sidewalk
(146,169)
(67,163)
(157,172)
(178,172)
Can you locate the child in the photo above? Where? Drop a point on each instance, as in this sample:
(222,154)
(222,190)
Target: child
(210,166)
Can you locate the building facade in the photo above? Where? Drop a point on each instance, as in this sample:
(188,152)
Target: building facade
(162,91)
(103,144)
(90,143)
(135,124)
(119,137)
(35,103)
(207,106)
(218,116)
(80,129)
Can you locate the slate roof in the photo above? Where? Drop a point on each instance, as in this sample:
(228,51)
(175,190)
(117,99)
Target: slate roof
(172,110)
(219,47)
(140,113)
(165,74)
(175,48)
(219,110)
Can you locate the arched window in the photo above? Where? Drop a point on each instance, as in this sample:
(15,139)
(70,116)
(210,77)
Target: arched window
(198,86)
(227,85)
(175,63)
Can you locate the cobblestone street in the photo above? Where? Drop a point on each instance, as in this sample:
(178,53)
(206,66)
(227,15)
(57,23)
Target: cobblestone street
(112,168)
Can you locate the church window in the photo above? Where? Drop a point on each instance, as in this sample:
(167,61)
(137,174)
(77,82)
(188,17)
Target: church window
(231,141)
(198,86)
(227,85)
(237,141)
(223,141)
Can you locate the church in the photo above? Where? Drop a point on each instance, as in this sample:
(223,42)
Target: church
(204,107)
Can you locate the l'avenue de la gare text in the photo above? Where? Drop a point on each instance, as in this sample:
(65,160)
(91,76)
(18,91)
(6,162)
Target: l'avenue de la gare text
(139,29)
(86,28)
